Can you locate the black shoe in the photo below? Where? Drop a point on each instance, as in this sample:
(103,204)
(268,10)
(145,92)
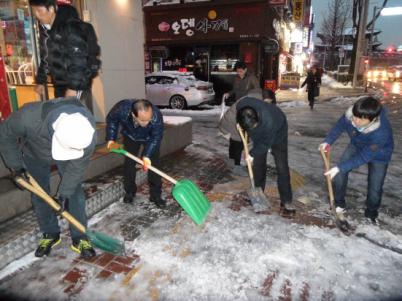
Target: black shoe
(46,244)
(128,198)
(84,248)
(288,208)
(159,202)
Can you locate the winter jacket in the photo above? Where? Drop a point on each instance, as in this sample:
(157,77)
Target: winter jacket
(312,80)
(121,115)
(272,128)
(375,143)
(64,52)
(29,132)
(242,85)
(227,125)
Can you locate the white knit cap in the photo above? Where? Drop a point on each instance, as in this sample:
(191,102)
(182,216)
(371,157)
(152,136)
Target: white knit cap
(72,134)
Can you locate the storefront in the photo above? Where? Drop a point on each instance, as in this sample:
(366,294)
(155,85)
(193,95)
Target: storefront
(209,38)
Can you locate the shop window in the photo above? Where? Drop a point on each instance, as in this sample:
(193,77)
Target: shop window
(224,57)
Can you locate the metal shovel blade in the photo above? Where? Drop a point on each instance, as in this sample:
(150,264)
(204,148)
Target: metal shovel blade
(258,199)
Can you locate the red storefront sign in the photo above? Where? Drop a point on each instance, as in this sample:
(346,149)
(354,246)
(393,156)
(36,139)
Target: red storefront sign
(5,108)
(270,84)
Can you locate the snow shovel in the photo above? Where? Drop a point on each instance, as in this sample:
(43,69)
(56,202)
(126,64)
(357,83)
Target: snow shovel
(257,197)
(340,221)
(99,240)
(185,192)
(223,105)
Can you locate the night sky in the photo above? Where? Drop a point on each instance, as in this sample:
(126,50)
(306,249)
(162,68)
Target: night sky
(391,26)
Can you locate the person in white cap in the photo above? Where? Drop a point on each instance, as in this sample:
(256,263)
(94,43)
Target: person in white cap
(32,139)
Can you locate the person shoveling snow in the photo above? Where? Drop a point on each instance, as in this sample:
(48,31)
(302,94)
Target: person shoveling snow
(267,127)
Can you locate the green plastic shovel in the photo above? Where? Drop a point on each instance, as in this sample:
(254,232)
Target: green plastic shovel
(99,240)
(185,192)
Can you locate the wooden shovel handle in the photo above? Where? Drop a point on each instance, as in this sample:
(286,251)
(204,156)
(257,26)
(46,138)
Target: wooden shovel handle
(243,137)
(325,157)
(37,190)
(155,170)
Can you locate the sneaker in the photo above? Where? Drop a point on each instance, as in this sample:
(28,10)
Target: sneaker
(128,198)
(159,202)
(240,171)
(288,207)
(46,244)
(340,212)
(84,248)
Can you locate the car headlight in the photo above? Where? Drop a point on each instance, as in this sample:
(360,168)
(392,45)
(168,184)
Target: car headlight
(397,74)
(369,74)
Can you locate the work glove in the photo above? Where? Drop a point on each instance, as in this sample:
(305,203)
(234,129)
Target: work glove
(325,146)
(147,163)
(332,172)
(63,202)
(249,159)
(20,173)
(113,145)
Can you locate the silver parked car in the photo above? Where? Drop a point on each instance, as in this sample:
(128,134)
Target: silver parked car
(177,90)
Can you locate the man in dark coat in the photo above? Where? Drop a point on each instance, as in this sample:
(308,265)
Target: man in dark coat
(267,127)
(313,81)
(141,126)
(62,130)
(64,51)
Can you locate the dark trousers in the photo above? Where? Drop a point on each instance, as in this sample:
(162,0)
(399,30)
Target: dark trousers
(130,172)
(235,150)
(375,182)
(280,153)
(47,218)
(310,96)
(86,96)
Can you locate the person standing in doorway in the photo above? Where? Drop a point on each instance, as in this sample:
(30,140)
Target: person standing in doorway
(66,54)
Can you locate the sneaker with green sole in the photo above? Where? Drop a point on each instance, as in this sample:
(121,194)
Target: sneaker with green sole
(84,248)
(46,244)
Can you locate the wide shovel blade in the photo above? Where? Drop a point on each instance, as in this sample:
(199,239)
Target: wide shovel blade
(192,200)
(258,199)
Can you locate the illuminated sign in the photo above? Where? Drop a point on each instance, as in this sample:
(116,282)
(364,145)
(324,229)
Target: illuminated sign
(298,11)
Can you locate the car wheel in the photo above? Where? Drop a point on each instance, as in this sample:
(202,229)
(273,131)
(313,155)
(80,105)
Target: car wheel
(178,102)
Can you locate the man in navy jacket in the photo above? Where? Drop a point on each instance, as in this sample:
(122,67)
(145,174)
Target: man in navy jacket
(371,143)
(141,125)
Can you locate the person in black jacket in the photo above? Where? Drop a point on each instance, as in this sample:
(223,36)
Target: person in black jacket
(62,130)
(141,125)
(63,50)
(267,127)
(313,81)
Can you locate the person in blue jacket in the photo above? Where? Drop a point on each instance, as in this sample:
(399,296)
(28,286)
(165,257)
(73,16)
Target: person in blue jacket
(141,125)
(371,143)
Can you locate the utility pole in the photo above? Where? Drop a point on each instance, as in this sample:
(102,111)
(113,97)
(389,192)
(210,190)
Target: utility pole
(372,31)
(361,40)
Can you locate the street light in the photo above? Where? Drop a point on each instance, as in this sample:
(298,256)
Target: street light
(391,11)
